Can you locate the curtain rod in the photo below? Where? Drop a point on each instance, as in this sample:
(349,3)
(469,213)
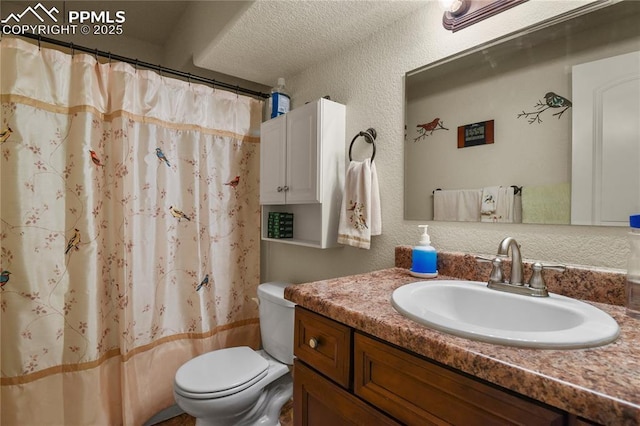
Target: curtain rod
(138,63)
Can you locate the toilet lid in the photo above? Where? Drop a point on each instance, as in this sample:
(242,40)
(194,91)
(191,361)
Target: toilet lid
(222,372)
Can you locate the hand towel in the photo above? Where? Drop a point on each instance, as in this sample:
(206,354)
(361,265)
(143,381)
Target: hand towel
(548,204)
(508,207)
(457,205)
(360,215)
(489,199)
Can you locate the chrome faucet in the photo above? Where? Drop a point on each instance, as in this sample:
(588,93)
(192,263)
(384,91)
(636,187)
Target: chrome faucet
(536,286)
(516,259)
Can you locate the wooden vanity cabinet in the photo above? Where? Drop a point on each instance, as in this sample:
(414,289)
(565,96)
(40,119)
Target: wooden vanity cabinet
(340,375)
(321,394)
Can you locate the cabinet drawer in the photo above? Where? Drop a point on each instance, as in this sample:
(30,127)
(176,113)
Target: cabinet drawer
(419,392)
(318,401)
(323,344)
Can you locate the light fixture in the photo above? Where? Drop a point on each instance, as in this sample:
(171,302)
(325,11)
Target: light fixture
(455,7)
(462,13)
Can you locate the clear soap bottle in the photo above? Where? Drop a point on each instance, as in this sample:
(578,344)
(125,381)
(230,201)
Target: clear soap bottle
(633,268)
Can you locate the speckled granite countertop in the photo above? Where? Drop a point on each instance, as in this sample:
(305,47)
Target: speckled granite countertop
(601,384)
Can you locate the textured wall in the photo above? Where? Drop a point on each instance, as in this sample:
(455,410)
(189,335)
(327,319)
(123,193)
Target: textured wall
(369,79)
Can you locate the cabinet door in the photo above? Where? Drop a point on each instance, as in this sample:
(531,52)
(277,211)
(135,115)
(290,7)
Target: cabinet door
(419,392)
(273,161)
(317,401)
(302,155)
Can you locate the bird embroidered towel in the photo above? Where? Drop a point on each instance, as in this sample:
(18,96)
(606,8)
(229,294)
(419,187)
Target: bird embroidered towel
(508,207)
(489,200)
(360,215)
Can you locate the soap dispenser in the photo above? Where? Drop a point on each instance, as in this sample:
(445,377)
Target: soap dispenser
(424,262)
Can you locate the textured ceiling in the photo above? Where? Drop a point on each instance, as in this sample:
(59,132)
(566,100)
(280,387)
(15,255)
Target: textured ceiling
(151,21)
(274,39)
(257,40)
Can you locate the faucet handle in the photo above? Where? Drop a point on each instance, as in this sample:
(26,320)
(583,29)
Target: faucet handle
(496,271)
(537,280)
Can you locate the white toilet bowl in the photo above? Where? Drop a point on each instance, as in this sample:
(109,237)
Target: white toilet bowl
(227,401)
(240,386)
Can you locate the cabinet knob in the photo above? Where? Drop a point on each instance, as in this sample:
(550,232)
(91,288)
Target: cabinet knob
(286,188)
(313,343)
(280,189)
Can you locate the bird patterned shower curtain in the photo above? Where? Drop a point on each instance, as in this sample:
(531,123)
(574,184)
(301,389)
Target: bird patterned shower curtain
(129,234)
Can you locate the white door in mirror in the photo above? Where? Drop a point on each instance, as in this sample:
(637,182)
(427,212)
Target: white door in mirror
(606,162)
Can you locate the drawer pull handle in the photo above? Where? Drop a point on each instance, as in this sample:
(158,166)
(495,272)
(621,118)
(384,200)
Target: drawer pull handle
(313,343)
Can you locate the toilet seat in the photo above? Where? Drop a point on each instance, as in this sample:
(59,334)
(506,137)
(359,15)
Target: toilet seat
(220,373)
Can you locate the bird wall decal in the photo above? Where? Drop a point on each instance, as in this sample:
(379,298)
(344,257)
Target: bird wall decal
(178,214)
(204,283)
(4,135)
(234,182)
(162,157)
(74,242)
(4,278)
(427,129)
(557,101)
(551,100)
(95,159)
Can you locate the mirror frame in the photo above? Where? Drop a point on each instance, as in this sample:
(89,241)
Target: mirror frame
(575,13)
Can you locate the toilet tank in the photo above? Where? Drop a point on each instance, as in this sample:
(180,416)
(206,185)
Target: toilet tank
(276,321)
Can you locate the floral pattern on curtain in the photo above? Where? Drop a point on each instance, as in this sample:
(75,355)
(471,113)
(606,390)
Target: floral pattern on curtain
(129,234)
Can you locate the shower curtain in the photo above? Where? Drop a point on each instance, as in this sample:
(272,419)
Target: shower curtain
(129,236)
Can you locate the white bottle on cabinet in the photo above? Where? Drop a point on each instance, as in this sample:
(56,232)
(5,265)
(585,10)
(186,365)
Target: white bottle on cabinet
(302,170)
(280,101)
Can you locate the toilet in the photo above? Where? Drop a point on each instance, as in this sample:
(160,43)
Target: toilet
(240,386)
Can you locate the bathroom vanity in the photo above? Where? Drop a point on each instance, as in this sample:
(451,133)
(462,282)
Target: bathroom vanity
(357,358)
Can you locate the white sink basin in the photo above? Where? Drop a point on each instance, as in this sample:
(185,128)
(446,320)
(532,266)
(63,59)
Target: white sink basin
(469,309)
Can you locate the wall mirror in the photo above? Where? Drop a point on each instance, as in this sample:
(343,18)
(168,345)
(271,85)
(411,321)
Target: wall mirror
(520,91)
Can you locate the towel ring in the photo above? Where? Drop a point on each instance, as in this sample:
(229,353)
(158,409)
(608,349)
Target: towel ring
(370,137)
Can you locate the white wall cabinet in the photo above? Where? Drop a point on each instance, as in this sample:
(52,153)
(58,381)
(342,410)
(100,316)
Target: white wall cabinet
(302,171)
(289,158)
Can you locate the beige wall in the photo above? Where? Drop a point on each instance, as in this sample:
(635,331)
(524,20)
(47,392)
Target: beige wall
(369,79)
